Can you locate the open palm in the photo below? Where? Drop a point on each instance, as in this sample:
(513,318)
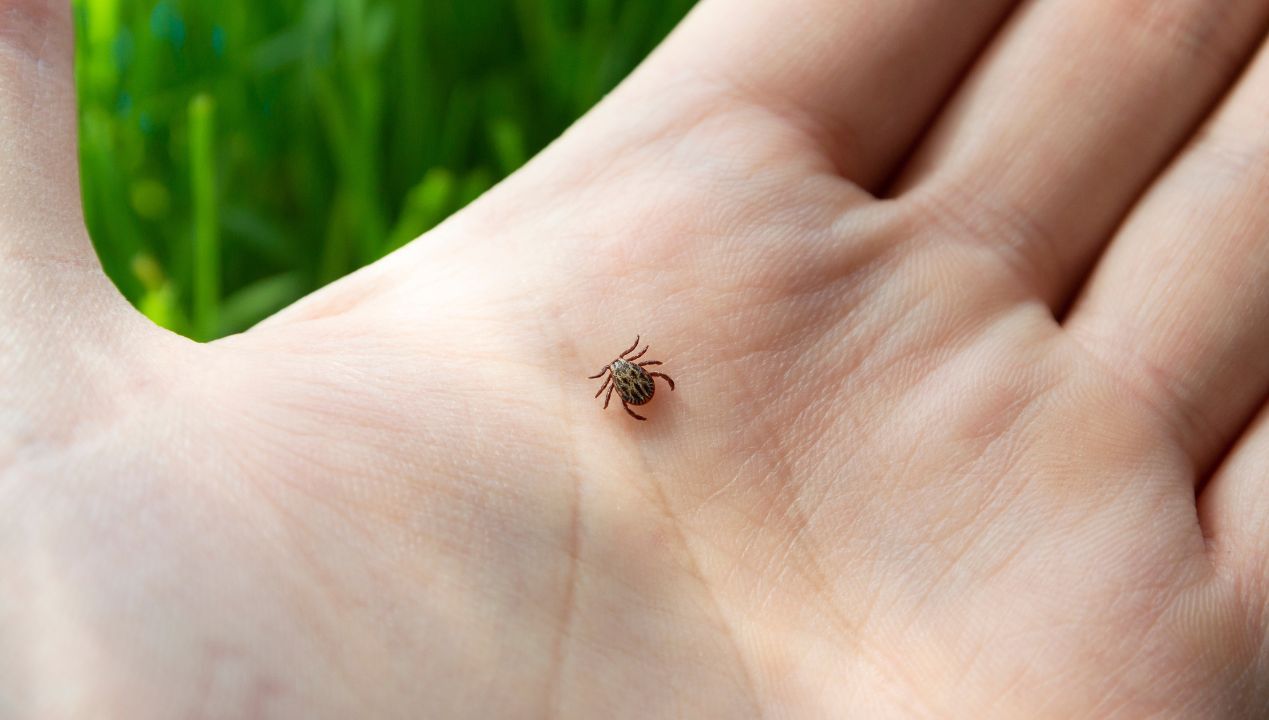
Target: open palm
(966,305)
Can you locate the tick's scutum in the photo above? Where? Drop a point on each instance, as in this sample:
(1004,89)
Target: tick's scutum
(634,384)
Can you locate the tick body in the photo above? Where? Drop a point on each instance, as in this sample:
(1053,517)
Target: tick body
(634,385)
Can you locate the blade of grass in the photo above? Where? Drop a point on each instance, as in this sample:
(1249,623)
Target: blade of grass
(202,144)
(327,116)
(258,301)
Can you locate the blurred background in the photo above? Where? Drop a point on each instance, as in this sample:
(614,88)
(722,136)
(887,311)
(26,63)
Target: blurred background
(237,155)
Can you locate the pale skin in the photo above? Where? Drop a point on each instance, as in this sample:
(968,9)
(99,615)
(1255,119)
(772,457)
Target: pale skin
(966,304)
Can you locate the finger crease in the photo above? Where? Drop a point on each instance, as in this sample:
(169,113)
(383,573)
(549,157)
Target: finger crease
(1158,390)
(1026,247)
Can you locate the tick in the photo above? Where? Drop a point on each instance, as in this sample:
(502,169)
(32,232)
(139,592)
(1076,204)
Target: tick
(633,384)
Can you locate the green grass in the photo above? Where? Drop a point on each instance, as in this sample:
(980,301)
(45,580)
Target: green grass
(238,155)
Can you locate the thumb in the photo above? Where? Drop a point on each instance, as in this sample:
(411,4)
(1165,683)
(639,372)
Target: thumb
(49,273)
(64,328)
(40,214)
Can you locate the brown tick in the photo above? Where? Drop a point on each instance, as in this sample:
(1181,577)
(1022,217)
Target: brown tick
(630,380)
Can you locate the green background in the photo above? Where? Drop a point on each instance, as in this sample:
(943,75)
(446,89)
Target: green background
(237,155)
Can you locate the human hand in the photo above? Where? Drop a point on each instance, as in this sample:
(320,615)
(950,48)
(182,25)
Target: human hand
(964,424)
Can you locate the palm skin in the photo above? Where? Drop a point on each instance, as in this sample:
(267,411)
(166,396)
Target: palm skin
(890,483)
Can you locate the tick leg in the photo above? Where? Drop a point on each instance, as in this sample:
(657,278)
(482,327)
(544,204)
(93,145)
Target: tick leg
(600,374)
(650,363)
(636,357)
(663,375)
(609,396)
(632,347)
(607,382)
(632,412)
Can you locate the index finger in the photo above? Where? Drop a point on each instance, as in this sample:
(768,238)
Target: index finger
(861,78)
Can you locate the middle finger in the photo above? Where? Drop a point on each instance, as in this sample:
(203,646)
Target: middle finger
(1066,120)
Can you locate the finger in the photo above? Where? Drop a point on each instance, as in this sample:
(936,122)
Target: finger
(60,317)
(1234,512)
(860,78)
(39,177)
(1179,305)
(1070,115)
